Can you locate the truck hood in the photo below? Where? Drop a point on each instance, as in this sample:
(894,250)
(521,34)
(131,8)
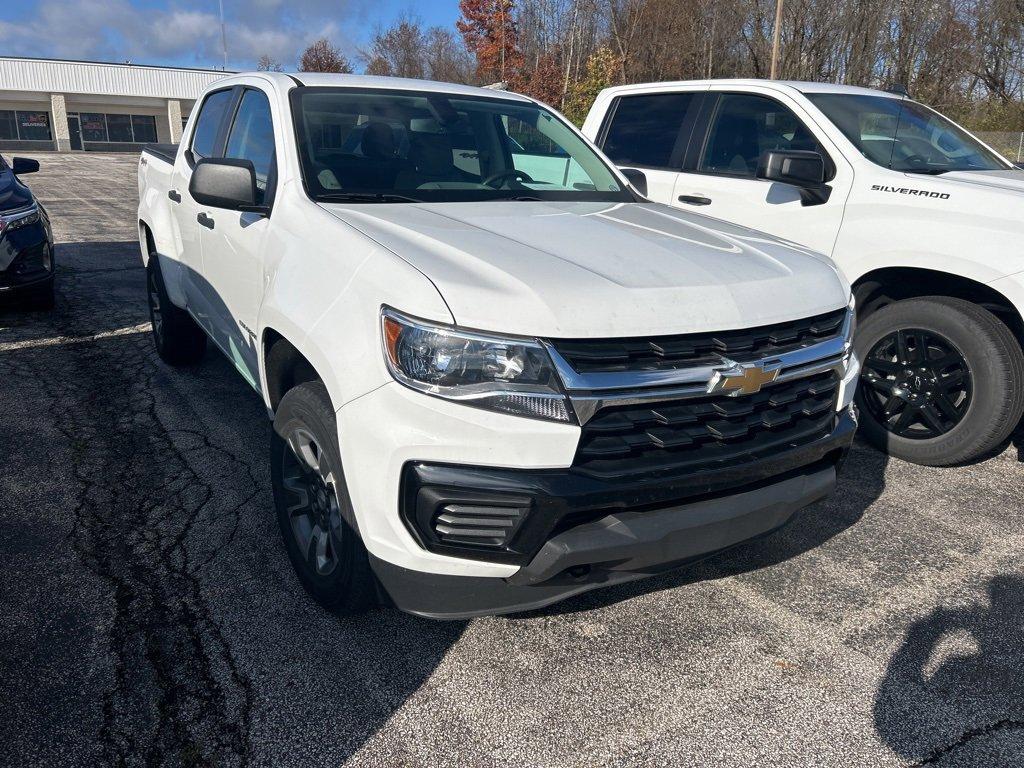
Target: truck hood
(1008,180)
(573,269)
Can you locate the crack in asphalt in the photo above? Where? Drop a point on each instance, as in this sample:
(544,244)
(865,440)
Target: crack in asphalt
(146,524)
(938,753)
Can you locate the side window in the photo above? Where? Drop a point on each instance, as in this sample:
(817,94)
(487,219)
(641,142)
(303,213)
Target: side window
(252,137)
(211,115)
(745,127)
(647,130)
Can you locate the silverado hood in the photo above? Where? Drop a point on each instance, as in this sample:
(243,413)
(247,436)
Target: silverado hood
(599,269)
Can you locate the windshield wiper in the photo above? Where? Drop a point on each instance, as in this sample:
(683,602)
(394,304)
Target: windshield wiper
(367,197)
(927,171)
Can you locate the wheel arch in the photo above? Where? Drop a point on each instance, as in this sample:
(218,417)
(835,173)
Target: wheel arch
(286,368)
(879,287)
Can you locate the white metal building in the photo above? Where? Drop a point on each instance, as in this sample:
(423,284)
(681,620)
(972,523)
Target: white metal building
(68,106)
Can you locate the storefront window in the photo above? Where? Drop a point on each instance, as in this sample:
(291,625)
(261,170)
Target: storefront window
(8,125)
(94,126)
(119,128)
(144,129)
(34,126)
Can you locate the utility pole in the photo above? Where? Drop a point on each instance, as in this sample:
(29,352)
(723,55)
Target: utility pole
(776,39)
(223,36)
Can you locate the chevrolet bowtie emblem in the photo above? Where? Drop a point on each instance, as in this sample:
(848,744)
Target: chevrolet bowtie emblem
(741,379)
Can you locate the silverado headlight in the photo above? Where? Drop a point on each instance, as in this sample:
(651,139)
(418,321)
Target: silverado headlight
(15,219)
(509,375)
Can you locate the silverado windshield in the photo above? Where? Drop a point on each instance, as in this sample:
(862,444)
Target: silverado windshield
(359,145)
(905,136)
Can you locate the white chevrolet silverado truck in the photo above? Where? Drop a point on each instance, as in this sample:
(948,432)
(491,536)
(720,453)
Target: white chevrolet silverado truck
(497,375)
(923,219)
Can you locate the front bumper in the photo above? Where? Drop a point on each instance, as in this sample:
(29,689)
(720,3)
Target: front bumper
(623,538)
(580,536)
(26,258)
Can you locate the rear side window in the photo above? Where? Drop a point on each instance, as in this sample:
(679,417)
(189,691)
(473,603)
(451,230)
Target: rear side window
(648,130)
(252,137)
(204,140)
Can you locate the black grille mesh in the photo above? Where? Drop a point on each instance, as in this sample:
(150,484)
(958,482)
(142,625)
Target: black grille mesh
(668,352)
(709,432)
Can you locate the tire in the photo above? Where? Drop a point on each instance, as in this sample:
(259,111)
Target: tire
(314,510)
(942,380)
(178,338)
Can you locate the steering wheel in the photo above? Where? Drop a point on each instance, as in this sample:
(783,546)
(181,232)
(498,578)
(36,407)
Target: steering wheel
(505,175)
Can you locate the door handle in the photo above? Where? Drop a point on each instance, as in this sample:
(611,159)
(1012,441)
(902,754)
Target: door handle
(695,199)
(205,220)
(175,197)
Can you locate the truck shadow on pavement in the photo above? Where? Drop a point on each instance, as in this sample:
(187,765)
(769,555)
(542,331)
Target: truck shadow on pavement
(956,666)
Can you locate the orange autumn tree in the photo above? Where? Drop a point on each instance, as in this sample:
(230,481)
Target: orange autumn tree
(489,29)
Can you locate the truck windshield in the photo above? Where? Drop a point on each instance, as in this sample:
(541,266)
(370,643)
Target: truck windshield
(905,136)
(362,145)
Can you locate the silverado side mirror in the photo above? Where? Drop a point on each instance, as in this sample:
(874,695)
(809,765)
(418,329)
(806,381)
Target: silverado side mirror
(225,183)
(637,178)
(22,165)
(805,170)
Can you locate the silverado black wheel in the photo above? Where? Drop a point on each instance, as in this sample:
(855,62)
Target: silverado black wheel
(178,338)
(314,511)
(942,380)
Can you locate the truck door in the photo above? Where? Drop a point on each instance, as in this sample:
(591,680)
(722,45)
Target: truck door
(234,242)
(719,170)
(650,132)
(204,142)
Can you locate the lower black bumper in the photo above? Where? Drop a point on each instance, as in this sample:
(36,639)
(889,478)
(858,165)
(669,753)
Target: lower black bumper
(625,542)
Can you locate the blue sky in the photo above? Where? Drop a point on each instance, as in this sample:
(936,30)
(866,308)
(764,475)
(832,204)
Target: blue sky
(187,32)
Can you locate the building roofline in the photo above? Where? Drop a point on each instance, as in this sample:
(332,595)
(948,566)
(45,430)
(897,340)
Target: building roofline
(120,64)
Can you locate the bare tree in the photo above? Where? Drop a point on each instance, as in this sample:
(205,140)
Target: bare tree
(267,63)
(322,56)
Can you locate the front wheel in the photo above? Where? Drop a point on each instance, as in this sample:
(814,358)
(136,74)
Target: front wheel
(942,380)
(314,511)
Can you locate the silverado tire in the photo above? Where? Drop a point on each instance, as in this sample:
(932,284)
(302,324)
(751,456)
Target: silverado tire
(178,338)
(942,380)
(314,510)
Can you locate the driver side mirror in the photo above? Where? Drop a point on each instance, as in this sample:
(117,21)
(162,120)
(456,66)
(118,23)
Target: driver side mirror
(805,170)
(637,178)
(225,183)
(22,165)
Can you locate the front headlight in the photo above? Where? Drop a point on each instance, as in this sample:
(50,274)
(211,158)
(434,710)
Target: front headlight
(15,219)
(509,375)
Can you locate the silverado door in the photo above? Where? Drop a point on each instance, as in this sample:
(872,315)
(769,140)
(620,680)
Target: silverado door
(719,170)
(201,143)
(234,242)
(650,132)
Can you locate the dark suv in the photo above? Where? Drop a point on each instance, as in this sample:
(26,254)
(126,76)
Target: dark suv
(26,241)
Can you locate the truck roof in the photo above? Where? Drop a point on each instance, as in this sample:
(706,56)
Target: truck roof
(797,85)
(330,79)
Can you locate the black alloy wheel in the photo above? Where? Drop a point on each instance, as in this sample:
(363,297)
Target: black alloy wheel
(942,380)
(313,509)
(918,384)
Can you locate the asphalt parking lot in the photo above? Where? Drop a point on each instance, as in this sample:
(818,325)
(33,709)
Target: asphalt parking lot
(148,613)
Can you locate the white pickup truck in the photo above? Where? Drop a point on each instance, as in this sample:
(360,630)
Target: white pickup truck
(497,375)
(923,218)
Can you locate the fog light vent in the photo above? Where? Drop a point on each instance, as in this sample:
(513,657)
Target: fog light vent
(479,525)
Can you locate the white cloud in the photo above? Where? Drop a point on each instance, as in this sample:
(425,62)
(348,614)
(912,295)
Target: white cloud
(186,32)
